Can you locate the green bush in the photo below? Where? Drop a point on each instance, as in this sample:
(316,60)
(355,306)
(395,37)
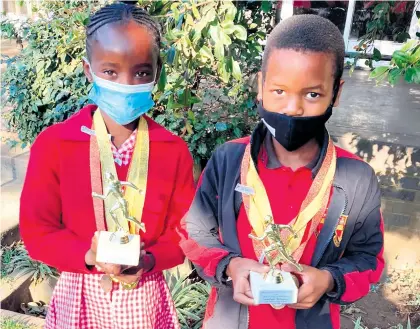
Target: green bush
(190,299)
(15,260)
(211,51)
(11,323)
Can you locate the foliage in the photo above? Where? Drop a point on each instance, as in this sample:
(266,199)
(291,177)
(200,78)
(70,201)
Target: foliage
(19,263)
(190,299)
(211,52)
(377,26)
(405,63)
(14,28)
(45,84)
(11,323)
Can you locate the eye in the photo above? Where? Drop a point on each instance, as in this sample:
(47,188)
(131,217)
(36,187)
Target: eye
(110,73)
(142,74)
(312,95)
(279,92)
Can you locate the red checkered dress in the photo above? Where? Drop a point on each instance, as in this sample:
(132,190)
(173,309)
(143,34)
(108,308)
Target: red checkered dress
(79,302)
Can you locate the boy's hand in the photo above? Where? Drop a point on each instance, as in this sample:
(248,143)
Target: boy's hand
(315,283)
(238,269)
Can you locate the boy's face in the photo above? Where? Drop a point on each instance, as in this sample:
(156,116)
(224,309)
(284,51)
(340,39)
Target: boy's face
(123,53)
(298,83)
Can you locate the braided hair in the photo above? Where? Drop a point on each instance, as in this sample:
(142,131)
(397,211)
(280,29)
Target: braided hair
(121,13)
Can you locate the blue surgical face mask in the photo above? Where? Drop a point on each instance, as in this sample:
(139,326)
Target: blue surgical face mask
(122,103)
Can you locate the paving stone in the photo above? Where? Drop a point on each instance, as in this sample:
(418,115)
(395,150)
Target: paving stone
(398,220)
(411,183)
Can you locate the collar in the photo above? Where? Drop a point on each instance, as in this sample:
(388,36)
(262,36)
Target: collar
(71,129)
(261,140)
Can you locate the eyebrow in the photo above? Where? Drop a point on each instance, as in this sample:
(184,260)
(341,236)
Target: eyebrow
(320,86)
(143,65)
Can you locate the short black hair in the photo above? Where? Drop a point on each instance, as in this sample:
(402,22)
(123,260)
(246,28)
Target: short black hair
(121,12)
(307,33)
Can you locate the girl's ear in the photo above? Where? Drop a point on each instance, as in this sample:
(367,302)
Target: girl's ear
(86,69)
(158,69)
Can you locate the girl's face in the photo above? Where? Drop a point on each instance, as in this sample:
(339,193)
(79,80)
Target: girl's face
(124,53)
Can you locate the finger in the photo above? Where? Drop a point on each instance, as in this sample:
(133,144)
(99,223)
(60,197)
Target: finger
(304,292)
(259,268)
(287,267)
(242,292)
(110,268)
(243,299)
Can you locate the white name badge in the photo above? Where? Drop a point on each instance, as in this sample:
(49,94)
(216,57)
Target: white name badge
(248,190)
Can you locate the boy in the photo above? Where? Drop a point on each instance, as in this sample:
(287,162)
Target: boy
(289,172)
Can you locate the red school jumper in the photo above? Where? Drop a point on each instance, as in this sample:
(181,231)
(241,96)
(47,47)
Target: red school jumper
(57,223)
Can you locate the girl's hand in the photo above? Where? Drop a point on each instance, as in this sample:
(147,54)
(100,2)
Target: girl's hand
(90,259)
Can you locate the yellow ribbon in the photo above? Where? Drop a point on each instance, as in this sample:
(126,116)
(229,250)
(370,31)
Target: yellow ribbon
(258,205)
(137,173)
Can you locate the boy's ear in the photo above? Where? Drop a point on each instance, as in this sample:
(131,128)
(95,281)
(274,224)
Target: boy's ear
(86,69)
(260,86)
(337,99)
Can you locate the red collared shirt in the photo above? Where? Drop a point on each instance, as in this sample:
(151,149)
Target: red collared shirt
(286,190)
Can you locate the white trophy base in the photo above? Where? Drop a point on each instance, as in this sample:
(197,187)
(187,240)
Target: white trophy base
(110,250)
(267,291)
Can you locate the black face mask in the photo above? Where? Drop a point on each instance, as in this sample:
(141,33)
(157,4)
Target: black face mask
(293,132)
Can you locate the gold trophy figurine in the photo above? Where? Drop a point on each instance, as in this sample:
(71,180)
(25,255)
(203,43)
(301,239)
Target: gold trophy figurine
(273,233)
(276,287)
(126,250)
(114,187)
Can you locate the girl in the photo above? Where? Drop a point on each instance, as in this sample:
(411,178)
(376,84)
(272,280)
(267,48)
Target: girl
(72,160)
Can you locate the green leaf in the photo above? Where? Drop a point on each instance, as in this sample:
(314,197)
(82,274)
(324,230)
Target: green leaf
(223,72)
(401,58)
(231,13)
(189,20)
(240,32)
(418,14)
(214,33)
(206,53)
(266,6)
(377,56)
(412,75)
(219,51)
(378,72)
(228,27)
(236,70)
(195,11)
(162,79)
(394,75)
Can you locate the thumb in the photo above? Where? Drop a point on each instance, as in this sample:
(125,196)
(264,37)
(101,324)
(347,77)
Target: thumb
(287,267)
(259,268)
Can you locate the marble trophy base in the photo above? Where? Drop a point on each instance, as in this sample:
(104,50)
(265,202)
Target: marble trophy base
(266,290)
(111,250)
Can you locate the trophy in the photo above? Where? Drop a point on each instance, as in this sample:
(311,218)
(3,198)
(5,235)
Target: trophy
(119,247)
(277,288)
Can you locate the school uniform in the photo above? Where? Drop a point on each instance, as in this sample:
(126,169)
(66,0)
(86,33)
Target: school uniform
(58,219)
(347,239)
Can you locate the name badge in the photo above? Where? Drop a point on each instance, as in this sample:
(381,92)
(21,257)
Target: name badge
(248,190)
(91,132)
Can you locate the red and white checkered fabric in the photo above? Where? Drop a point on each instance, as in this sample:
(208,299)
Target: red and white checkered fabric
(79,302)
(123,154)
